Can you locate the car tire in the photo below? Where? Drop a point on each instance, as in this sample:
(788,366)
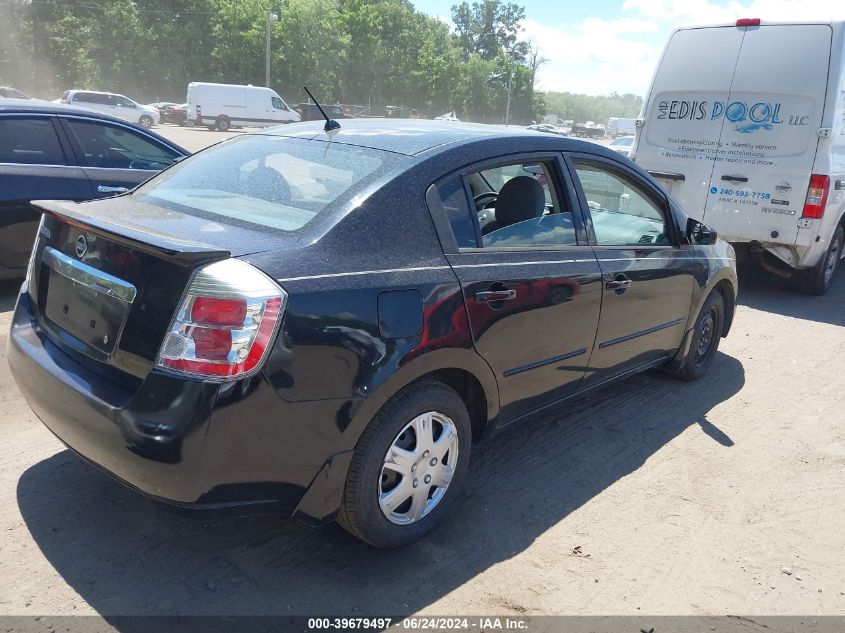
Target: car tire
(146,121)
(817,280)
(417,505)
(706,333)
(222,124)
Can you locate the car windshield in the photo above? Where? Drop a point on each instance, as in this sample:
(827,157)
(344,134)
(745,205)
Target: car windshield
(274,182)
(626,141)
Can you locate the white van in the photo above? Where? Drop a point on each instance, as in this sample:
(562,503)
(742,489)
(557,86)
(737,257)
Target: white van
(618,126)
(744,124)
(223,105)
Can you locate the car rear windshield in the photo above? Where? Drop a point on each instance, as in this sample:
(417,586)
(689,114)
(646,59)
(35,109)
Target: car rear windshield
(270,181)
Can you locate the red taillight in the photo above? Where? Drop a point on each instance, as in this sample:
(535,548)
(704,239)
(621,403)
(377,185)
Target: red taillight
(214,311)
(748,22)
(816,196)
(225,324)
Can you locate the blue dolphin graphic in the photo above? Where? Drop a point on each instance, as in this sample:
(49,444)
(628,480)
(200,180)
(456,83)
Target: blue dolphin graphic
(747,128)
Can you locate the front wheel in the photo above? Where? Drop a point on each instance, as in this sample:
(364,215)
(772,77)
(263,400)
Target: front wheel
(408,466)
(705,338)
(817,280)
(146,121)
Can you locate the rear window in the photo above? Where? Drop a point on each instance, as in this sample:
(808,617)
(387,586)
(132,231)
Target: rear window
(29,141)
(267,181)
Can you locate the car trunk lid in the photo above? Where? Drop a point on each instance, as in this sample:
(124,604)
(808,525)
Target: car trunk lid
(107,276)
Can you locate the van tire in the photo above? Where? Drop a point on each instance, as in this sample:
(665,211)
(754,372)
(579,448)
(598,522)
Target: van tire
(817,280)
(222,124)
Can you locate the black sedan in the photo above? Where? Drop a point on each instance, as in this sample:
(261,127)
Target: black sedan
(175,113)
(310,111)
(322,324)
(56,151)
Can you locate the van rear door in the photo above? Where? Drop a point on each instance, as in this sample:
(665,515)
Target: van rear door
(680,135)
(770,133)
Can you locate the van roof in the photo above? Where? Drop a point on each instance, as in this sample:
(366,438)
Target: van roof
(690,27)
(207,83)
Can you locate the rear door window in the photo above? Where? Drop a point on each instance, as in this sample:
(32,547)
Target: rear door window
(518,205)
(116,147)
(31,141)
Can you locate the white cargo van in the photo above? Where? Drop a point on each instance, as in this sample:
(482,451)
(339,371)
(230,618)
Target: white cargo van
(223,105)
(744,124)
(618,126)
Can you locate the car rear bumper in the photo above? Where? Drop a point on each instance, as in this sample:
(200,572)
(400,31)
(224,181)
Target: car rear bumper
(192,444)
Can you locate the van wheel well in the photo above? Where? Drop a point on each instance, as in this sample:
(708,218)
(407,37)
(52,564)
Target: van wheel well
(470,391)
(725,289)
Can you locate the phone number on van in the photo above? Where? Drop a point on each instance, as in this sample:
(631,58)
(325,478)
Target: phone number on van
(741,193)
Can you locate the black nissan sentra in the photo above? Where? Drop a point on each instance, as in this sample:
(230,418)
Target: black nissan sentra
(321,324)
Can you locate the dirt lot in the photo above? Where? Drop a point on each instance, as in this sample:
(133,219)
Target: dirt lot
(652,497)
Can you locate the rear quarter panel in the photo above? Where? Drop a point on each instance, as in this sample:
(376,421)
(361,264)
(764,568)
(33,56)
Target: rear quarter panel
(331,344)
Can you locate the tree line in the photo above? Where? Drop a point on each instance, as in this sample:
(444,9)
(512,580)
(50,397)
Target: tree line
(368,52)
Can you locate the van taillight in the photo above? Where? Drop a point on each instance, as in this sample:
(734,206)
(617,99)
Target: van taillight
(748,22)
(199,110)
(225,325)
(816,196)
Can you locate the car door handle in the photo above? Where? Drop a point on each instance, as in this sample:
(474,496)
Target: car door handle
(111,189)
(735,178)
(618,284)
(490,296)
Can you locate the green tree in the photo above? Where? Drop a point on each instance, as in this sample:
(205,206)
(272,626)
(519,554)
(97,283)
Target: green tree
(383,52)
(485,28)
(581,108)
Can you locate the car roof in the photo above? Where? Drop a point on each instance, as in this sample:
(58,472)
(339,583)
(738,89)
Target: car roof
(48,107)
(416,136)
(34,106)
(96,92)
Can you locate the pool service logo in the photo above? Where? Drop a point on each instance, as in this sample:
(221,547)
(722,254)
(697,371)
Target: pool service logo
(746,117)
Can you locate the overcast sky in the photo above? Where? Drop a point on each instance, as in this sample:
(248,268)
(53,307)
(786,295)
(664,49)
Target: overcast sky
(605,46)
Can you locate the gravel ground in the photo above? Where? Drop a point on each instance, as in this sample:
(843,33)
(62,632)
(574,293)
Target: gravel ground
(651,497)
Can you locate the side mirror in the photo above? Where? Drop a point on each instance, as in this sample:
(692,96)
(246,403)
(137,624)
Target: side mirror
(700,233)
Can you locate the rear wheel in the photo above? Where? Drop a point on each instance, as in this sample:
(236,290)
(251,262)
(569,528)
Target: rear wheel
(223,124)
(146,121)
(408,466)
(705,338)
(817,280)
